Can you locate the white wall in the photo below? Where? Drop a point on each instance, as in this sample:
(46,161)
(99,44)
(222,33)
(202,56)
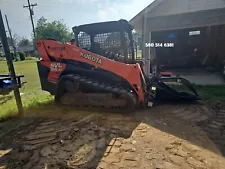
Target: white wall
(170,7)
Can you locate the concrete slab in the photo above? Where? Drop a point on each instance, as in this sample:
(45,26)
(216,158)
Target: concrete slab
(199,76)
(212,79)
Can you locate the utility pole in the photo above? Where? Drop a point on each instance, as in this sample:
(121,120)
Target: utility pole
(10,65)
(10,34)
(31,10)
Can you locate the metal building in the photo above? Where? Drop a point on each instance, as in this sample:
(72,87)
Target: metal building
(195,27)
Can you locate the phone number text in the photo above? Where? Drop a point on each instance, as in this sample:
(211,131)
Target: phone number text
(159,45)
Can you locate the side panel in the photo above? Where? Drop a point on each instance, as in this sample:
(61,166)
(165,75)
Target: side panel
(49,73)
(130,72)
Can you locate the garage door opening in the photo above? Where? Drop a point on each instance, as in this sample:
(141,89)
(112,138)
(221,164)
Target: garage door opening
(196,51)
(202,47)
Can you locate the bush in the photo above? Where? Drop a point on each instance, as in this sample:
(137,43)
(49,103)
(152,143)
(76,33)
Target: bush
(30,58)
(16,59)
(2,59)
(22,56)
(12,55)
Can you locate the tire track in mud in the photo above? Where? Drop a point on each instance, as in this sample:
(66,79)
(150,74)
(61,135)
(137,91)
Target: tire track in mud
(82,141)
(52,142)
(215,128)
(194,113)
(212,121)
(67,143)
(51,131)
(33,144)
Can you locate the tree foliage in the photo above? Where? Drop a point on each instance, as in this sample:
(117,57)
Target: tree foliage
(138,40)
(56,30)
(22,56)
(24,42)
(10,41)
(15,39)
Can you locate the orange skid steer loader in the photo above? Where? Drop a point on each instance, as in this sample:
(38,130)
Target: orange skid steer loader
(99,70)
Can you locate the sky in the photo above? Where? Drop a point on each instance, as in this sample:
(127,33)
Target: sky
(73,12)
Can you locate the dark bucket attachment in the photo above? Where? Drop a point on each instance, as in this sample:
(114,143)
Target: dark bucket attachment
(167,93)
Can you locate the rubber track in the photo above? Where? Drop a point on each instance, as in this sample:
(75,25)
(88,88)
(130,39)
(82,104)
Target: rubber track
(130,97)
(215,128)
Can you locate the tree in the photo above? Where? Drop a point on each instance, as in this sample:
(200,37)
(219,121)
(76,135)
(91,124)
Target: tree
(56,30)
(10,43)
(22,56)
(14,40)
(139,42)
(24,42)
(138,39)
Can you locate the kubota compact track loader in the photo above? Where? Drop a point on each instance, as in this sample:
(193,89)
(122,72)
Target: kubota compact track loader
(99,70)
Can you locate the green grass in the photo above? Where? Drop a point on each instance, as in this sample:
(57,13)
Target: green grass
(32,93)
(212,92)
(29,69)
(206,92)
(34,99)
(9,108)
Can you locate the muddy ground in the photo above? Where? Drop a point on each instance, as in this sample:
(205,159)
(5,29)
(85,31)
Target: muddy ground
(164,137)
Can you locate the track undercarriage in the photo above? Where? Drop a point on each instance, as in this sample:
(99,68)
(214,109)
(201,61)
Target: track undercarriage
(107,96)
(73,91)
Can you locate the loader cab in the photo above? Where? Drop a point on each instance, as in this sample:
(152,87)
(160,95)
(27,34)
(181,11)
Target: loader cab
(109,39)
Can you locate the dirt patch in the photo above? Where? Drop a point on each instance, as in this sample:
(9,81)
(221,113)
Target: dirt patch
(166,136)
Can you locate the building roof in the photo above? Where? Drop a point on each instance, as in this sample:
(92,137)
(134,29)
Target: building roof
(27,48)
(174,7)
(145,11)
(2,49)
